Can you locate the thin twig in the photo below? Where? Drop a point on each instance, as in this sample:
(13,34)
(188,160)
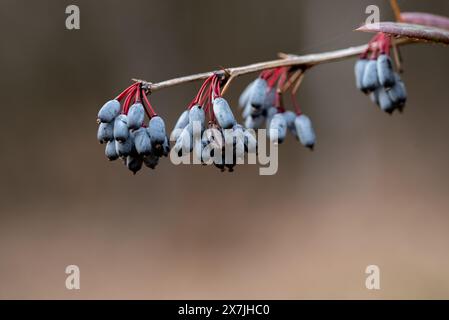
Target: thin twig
(291,80)
(396,10)
(226,86)
(305,61)
(397,56)
(297,84)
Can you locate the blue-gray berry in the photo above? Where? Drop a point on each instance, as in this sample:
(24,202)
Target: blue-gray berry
(385,102)
(166,147)
(247,111)
(136,116)
(197,114)
(105,132)
(270,98)
(151,161)
(370,80)
(290,117)
(223,113)
(254,122)
(245,96)
(184,143)
(374,96)
(398,93)
(305,131)
(121,131)
(182,121)
(134,163)
(269,115)
(109,111)
(258,93)
(110,151)
(156,130)
(385,71)
(124,148)
(142,142)
(359,70)
(279,124)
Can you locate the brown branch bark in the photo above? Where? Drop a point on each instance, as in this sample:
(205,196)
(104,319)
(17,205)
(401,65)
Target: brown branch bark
(305,61)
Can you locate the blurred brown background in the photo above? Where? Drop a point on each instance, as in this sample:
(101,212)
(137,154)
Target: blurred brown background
(375,191)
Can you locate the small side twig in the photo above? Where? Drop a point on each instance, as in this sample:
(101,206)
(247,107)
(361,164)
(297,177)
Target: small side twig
(397,56)
(298,83)
(227,85)
(292,80)
(397,11)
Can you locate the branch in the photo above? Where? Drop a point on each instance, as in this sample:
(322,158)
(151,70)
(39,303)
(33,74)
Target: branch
(305,61)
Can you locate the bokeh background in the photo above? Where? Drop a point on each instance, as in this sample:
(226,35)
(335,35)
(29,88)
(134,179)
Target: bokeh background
(375,191)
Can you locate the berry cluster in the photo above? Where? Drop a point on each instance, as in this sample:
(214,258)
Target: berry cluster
(262,104)
(122,127)
(375,75)
(208,129)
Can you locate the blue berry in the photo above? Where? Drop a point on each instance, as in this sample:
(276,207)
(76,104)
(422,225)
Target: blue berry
(359,70)
(110,151)
(245,96)
(223,113)
(290,117)
(247,111)
(105,132)
(109,111)
(258,93)
(124,148)
(370,80)
(279,124)
(121,131)
(269,115)
(214,135)
(197,114)
(250,142)
(385,102)
(374,96)
(136,116)
(142,142)
(385,71)
(270,98)
(254,122)
(151,161)
(182,121)
(398,93)
(166,147)
(184,144)
(133,163)
(156,130)
(233,136)
(239,141)
(305,131)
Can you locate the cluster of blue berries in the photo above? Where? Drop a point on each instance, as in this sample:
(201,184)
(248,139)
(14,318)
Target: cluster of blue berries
(209,130)
(122,127)
(375,75)
(262,106)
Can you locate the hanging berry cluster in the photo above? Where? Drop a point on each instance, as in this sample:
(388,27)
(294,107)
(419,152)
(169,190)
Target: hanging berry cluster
(262,104)
(208,129)
(375,75)
(122,127)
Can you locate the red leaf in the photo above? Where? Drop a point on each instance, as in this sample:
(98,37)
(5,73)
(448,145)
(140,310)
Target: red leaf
(426,19)
(412,31)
